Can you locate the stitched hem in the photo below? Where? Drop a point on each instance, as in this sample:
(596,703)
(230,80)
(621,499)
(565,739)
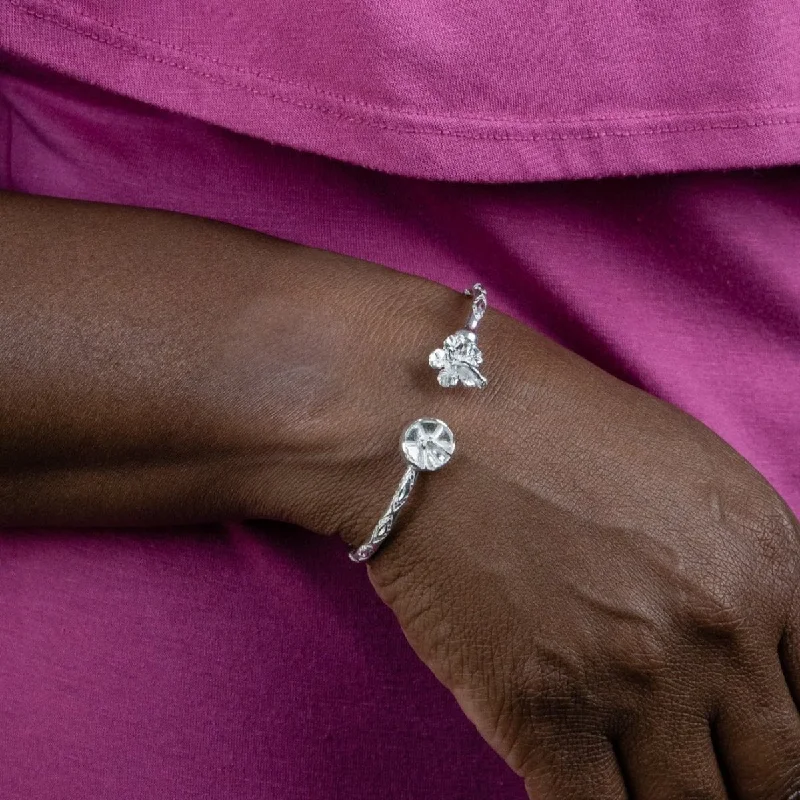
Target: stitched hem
(401,141)
(98,26)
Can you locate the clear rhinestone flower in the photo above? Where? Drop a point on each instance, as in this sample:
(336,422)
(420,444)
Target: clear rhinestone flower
(458,361)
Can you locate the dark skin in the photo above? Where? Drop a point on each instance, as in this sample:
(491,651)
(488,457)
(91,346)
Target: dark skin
(607,588)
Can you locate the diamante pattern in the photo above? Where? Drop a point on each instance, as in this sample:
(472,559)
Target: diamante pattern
(385,524)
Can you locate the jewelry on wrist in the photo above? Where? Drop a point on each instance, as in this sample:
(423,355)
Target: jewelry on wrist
(427,444)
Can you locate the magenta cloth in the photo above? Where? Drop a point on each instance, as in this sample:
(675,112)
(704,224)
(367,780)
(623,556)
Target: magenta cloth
(499,90)
(243,661)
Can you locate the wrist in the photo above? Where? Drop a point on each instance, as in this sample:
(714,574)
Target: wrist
(328,458)
(490,425)
(338,475)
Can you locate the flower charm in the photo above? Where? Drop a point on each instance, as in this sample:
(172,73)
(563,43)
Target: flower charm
(428,444)
(458,361)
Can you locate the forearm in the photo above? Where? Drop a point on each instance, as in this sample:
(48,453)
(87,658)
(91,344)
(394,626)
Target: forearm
(160,368)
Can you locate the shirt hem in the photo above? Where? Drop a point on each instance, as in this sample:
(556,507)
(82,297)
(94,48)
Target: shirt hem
(410,143)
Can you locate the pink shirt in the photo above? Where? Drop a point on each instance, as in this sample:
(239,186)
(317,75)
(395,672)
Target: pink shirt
(233,661)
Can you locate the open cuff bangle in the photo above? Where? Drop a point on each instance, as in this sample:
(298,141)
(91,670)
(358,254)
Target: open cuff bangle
(427,444)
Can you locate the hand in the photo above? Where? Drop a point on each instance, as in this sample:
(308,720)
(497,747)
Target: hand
(606,587)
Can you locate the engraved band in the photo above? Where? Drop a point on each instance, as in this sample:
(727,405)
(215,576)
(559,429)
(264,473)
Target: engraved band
(427,445)
(381,531)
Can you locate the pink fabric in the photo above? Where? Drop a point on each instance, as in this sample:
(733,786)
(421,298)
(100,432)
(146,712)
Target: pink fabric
(501,90)
(230,661)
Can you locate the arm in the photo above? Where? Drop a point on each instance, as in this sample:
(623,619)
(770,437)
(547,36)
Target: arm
(156,367)
(607,588)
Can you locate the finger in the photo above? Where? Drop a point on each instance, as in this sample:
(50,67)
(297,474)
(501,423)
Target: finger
(581,768)
(669,757)
(757,739)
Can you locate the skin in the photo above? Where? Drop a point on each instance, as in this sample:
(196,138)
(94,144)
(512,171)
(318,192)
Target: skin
(608,590)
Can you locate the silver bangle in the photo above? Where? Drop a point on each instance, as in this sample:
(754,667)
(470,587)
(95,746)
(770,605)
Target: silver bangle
(427,444)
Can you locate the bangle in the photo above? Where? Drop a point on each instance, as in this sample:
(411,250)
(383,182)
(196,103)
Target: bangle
(427,444)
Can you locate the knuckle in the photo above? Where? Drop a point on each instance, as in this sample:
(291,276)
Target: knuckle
(774,525)
(758,576)
(552,699)
(583,768)
(749,506)
(784,529)
(781,774)
(778,539)
(716,614)
(641,657)
(553,685)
